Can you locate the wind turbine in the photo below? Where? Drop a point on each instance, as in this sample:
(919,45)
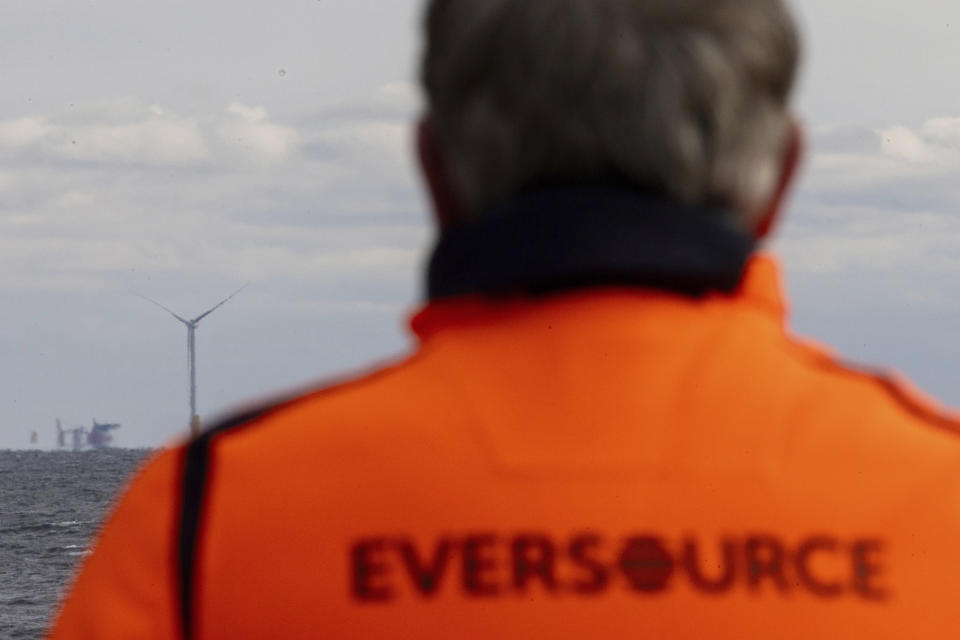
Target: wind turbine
(192,353)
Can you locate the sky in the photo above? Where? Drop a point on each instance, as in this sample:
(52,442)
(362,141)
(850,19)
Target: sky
(179,150)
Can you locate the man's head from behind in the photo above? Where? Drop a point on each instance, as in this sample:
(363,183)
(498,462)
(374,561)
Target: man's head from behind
(685,97)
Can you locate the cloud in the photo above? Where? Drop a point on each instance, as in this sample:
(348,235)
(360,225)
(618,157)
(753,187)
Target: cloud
(931,145)
(24,131)
(104,194)
(251,133)
(7,182)
(399,97)
(944,130)
(915,163)
(159,139)
(895,151)
(879,206)
(127,132)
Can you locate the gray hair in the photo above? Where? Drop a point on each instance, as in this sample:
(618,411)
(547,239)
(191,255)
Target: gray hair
(688,97)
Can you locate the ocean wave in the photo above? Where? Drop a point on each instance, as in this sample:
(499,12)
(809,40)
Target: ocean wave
(51,507)
(46,526)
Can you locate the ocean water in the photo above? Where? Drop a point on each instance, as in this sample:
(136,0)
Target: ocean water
(51,505)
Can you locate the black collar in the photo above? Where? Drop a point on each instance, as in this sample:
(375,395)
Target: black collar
(561,238)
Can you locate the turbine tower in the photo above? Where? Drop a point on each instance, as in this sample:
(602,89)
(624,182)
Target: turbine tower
(192,353)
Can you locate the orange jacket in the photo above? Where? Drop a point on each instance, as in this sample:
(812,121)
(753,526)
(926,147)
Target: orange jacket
(584,461)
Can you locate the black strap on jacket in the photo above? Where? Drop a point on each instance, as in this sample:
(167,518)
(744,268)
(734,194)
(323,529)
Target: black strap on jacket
(559,238)
(194,490)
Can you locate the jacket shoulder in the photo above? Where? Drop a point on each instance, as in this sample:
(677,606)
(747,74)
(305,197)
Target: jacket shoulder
(888,386)
(258,413)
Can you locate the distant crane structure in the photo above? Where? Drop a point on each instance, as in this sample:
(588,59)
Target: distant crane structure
(97,437)
(61,436)
(192,351)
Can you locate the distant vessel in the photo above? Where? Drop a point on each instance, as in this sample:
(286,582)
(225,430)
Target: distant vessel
(97,437)
(34,437)
(100,435)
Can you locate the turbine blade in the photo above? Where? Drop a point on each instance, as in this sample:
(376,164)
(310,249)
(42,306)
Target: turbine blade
(220,304)
(186,322)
